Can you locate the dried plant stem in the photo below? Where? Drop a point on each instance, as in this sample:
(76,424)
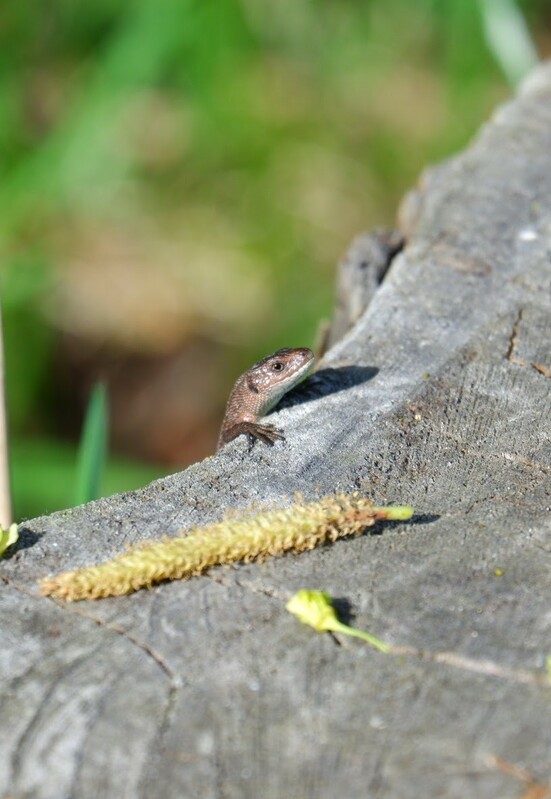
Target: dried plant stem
(255,536)
(5,493)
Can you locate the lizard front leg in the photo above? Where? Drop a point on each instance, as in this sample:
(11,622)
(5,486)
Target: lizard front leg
(267,433)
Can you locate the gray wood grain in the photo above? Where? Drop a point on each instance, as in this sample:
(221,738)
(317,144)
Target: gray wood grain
(208,688)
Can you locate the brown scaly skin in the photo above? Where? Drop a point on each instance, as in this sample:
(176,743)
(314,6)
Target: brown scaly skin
(258,390)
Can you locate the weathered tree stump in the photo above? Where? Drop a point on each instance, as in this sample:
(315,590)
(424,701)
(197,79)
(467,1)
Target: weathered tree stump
(439,397)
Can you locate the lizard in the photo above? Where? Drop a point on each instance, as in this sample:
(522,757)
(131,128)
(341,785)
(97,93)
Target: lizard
(258,390)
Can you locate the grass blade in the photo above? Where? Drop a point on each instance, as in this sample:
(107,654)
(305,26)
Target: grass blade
(508,38)
(93,447)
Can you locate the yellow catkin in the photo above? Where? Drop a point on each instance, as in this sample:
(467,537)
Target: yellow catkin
(253,536)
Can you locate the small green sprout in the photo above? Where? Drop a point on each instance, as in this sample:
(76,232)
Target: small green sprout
(316,609)
(8,537)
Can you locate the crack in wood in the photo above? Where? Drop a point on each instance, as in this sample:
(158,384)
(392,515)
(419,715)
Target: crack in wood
(24,741)
(111,626)
(510,354)
(125,633)
(491,498)
(483,667)
(508,456)
(513,337)
(488,668)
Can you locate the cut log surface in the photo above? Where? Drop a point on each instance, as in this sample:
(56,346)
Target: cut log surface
(439,396)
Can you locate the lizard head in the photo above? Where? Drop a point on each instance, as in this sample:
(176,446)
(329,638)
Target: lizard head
(275,374)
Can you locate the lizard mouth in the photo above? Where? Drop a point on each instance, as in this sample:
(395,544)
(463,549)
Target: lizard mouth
(303,370)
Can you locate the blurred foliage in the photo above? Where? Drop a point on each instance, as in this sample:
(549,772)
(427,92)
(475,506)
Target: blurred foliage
(173,168)
(45,471)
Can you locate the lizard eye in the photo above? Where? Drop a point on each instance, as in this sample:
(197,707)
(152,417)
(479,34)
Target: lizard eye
(277,366)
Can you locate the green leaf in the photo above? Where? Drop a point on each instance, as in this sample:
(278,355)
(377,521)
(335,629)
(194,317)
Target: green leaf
(8,537)
(93,446)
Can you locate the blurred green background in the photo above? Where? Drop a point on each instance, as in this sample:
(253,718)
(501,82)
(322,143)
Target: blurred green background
(179,179)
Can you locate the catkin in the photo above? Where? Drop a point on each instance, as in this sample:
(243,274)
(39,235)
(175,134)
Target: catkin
(254,536)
